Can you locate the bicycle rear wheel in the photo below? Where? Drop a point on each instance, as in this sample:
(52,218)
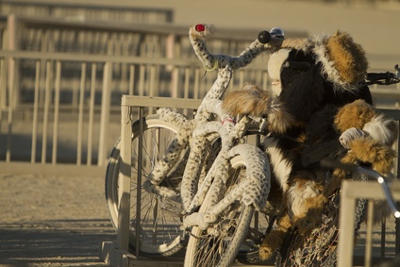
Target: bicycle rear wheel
(319,247)
(219,244)
(160,215)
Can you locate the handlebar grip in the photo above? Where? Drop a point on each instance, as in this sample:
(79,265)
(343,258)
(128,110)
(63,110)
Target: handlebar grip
(200,27)
(264,37)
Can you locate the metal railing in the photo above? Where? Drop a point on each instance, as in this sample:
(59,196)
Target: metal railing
(87,10)
(350,192)
(93,99)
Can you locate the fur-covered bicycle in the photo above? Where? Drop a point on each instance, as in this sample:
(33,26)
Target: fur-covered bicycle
(214,186)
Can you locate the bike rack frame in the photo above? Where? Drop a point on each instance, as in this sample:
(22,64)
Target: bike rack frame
(116,253)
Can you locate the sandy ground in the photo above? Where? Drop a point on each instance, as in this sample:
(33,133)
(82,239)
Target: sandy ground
(52,221)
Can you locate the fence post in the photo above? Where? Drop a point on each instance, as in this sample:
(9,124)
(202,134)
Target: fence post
(346,226)
(12,45)
(47,97)
(80,114)
(56,112)
(11,95)
(91,114)
(105,112)
(35,112)
(124,178)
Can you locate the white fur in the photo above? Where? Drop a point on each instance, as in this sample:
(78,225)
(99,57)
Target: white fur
(276,87)
(297,195)
(381,129)
(275,63)
(281,167)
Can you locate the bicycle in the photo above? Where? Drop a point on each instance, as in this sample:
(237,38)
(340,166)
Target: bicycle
(165,172)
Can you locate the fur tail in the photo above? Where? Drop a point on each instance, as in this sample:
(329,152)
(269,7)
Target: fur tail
(256,102)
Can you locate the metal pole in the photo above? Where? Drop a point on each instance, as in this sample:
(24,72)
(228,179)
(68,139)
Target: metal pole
(56,112)
(80,114)
(397,221)
(383,237)
(46,111)
(346,226)
(91,113)
(11,90)
(105,112)
(139,181)
(131,79)
(35,112)
(196,93)
(124,178)
(368,241)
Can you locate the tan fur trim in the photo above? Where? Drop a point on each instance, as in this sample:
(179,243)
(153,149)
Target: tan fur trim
(252,101)
(279,120)
(299,191)
(312,214)
(368,150)
(341,50)
(296,43)
(348,57)
(355,114)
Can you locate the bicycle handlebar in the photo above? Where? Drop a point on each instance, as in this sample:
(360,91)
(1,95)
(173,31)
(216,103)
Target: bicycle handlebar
(331,164)
(266,41)
(385,78)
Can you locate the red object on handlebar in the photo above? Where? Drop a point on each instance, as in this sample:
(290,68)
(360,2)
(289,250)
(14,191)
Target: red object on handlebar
(200,27)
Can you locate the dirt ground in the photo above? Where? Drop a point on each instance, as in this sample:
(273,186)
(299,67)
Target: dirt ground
(52,221)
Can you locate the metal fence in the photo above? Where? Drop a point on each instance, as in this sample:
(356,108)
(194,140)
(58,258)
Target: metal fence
(121,11)
(91,106)
(24,33)
(351,191)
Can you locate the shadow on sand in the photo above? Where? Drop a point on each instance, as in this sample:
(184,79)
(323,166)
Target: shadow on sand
(62,242)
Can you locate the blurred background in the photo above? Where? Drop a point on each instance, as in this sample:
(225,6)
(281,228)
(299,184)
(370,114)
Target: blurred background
(64,64)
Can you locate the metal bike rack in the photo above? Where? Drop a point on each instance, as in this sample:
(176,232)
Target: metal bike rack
(116,253)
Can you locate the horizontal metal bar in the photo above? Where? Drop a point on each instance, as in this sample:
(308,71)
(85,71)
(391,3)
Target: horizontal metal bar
(95,58)
(79,57)
(391,113)
(369,190)
(162,102)
(166,29)
(98,4)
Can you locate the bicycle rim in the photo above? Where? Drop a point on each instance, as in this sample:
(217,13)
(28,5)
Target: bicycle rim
(160,216)
(219,244)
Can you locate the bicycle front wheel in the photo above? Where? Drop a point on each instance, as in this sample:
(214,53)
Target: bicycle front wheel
(160,215)
(219,244)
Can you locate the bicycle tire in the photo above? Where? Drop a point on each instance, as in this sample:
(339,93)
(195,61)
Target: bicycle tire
(156,212)
(221,249)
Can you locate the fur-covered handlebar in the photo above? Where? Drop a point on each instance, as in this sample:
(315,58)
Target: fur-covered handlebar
(199,32)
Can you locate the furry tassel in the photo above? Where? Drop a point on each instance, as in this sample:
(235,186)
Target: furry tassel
(256,102)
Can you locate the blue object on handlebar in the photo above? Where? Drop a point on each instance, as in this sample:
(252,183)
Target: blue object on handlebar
(277,33)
